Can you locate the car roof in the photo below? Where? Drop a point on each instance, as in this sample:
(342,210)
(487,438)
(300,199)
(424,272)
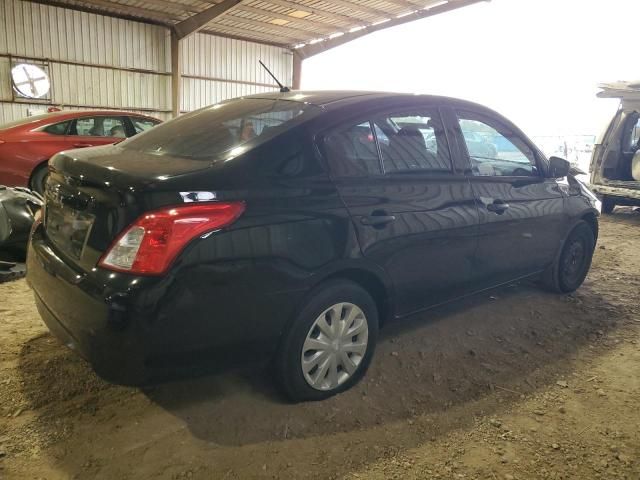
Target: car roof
(336,98)
(81,113)
(319,97)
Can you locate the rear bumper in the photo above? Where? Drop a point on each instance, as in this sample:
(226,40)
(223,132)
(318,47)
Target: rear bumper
(108,360)
(135,329)
(82,315)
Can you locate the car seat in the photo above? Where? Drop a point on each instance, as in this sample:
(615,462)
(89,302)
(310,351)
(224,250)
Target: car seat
(407,150)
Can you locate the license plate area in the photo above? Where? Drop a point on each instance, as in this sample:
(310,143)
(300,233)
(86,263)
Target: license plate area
(67,228)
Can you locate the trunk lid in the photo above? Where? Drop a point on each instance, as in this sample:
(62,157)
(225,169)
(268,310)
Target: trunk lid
(627,92)
(93,194)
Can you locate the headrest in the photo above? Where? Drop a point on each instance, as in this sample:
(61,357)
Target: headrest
(411,136)
(409,132)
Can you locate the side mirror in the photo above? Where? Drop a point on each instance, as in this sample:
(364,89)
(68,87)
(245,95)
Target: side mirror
(558,167)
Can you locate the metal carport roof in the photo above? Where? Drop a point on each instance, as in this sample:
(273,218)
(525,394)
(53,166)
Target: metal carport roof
(306,26)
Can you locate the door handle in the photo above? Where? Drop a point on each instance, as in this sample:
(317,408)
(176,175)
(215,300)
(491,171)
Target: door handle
(498,206)
(82,145)
(377,220)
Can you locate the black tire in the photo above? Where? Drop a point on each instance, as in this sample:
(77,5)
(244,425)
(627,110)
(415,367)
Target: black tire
(288,364)
(572,265)
(38,178)
(608,204)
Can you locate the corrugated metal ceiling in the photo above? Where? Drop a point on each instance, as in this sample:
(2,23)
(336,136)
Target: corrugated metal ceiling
(286,23)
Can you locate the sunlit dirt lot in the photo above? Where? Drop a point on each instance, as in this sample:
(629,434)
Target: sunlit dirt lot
(512,384)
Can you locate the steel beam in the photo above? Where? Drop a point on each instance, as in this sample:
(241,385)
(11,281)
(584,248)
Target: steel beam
(309,50)
(176,75)
(200,20)
(297,71)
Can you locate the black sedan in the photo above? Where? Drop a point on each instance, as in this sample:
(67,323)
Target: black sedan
(292,226)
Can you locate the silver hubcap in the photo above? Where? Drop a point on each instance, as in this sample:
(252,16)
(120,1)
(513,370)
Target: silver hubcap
(335,346)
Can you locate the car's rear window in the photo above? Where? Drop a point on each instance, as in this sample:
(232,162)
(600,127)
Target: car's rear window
(225,127)
(24,121)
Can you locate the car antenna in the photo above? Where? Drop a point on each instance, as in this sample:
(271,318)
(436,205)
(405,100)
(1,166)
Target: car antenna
(283,89)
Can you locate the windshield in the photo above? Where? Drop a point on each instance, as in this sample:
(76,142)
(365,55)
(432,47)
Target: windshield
(225,127)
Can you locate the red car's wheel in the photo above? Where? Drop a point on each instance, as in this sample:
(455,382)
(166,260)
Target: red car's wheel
(38,178)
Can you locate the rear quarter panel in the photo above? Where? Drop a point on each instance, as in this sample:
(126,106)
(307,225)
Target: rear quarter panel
(21,154)
(243,285)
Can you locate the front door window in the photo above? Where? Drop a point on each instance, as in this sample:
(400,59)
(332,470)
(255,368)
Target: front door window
(413,142)
(494,150)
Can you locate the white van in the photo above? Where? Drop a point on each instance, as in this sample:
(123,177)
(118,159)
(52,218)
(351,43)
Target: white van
(615,164)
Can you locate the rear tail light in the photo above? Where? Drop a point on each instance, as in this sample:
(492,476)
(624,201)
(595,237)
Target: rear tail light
(150,245)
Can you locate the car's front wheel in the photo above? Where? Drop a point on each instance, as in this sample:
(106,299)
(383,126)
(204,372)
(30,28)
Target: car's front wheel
(330,343)
(572,266)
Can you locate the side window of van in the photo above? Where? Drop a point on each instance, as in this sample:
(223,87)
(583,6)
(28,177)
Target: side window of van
(631,139)
(352,151)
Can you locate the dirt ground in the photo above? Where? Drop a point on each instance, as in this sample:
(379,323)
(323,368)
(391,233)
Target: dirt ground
(512,384)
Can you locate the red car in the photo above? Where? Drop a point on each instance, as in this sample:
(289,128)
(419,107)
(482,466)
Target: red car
(26,145)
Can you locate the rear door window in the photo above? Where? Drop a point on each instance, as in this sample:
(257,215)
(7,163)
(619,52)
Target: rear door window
(57,128)
(413,142)
(141,124)
(99,126)
(352,151)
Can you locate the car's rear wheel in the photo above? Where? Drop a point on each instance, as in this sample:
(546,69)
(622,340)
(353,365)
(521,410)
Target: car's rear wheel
(608,204)
(330,344)
(38,178)
(572,266)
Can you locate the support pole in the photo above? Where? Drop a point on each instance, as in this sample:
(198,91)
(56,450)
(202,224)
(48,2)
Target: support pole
(297,71)
(176,75)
